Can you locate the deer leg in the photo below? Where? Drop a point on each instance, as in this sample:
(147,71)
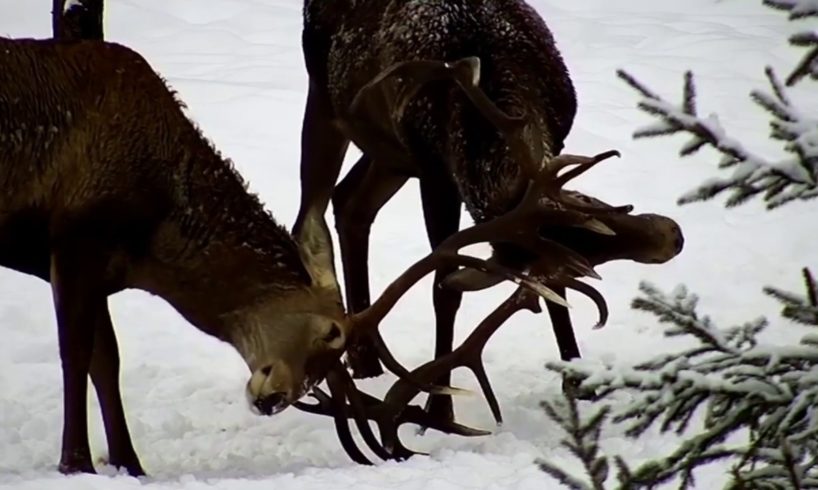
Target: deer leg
(441,212)
(322,153)
(563,331)
(79,295)
(356,202)
(566,341)
(105,376)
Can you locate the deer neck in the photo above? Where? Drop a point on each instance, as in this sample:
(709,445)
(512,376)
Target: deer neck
(218,250)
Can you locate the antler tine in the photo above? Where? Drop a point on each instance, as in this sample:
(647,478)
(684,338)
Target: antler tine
(342,388)
(336,407)
(396,410)
(517,226)
(363,407)
(366,322)
(584,163)
(468,355)
(520,227)
(466,72)
(590,292)
(358,409)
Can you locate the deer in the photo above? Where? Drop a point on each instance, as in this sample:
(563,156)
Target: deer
(108,185)
(474,100)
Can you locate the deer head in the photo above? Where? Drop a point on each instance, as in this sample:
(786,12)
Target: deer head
(291,341)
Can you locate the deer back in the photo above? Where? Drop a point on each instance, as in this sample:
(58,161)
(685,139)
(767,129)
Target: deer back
(96,151)
(349,43)
(89,129)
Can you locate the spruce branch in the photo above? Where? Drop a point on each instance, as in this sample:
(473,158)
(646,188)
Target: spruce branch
(733,387)
(798,8)
(799,309)
(801,9)
(582,442)
(789,179)
(761,398)
(808,66)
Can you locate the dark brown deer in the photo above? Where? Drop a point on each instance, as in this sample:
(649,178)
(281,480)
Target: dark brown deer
(107,185)
(473,99)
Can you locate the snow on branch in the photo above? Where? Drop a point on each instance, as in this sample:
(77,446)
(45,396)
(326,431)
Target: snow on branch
(791,178)
(582,442)
(800,9)
(756,404)
(796,308)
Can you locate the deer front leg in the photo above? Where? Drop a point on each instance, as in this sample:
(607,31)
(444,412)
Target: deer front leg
(105,376)
(441,213)
(563,331)
(566,341)
(356,202)
(76,284)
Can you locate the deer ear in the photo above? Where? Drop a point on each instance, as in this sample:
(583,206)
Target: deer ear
(315,244)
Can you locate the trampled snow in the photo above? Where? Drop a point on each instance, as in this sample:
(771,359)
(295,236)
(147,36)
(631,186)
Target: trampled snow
(238,65)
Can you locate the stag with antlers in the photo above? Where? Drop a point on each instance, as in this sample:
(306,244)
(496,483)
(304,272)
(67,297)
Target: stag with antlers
(474,100)
(109,186)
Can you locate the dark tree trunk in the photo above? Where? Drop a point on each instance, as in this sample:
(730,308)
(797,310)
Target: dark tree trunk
(82,20)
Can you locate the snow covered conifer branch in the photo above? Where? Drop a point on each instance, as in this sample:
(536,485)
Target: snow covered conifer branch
(800,9)
(731,397)
(792,177)
(582,442)
(799,309)
(761,398)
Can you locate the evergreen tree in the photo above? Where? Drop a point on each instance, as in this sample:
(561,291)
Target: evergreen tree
(758,403)
(741,386)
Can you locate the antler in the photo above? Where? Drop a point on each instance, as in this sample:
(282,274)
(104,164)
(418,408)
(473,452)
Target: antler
(395,410)
(367,321)
(544,202)
(363,407)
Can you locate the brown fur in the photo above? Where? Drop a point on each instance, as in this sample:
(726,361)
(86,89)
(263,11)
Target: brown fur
(107,185)
(442,139)
(350,42)
(107,143)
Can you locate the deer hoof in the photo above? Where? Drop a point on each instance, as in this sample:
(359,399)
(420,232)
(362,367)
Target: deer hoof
(131,465)
(76,462)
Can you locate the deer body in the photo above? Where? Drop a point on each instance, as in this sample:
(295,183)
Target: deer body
(521,68)
(422,124)
(107,186)
(62,150)
(440,137)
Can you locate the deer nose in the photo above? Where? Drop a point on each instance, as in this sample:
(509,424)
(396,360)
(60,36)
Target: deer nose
(271,404)
(265,393)
(679,242)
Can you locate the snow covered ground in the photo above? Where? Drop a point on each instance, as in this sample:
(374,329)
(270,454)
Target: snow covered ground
(238,65)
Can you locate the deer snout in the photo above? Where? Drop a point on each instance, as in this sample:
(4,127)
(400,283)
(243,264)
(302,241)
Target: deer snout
(269,390)
(667,239)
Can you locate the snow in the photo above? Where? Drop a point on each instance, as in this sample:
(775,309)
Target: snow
(238,65)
